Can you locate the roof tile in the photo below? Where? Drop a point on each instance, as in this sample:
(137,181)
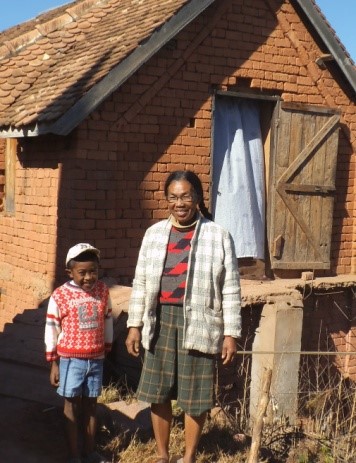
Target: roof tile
(56,58)
(7,86)
(54,24)
(4,94)
(23,86)
(7,99)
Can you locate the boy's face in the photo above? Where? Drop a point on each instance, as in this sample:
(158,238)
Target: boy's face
(84,274)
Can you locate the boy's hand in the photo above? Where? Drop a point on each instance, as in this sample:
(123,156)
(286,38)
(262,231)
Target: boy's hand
(54,375)
(133,341)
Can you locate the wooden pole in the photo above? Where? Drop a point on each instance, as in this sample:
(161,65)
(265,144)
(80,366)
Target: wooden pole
(261,412)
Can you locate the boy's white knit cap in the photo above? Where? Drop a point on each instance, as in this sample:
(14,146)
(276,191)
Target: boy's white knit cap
(78,249)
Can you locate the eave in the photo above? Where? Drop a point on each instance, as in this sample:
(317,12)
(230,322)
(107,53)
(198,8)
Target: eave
(116,77)
(127,67)
(333,47)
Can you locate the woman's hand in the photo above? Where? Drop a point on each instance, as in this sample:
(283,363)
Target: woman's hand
(133,341)
(229,349)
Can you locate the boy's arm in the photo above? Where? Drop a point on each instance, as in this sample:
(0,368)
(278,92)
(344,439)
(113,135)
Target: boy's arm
(52,330)
(54,375)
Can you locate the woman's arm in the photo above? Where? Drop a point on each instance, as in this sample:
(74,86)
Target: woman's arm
(231,291)
(133,341)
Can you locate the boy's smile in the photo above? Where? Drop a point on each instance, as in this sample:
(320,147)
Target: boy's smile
(84,274)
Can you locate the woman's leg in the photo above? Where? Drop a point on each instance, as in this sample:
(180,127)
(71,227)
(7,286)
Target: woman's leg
(193,429)
(89,423)
(195,392)
(161,415)
(71,413)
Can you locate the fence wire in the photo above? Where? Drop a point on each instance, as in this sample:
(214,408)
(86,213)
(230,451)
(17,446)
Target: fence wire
(325,410)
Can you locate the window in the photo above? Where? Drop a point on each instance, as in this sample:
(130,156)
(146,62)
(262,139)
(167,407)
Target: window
(241,152)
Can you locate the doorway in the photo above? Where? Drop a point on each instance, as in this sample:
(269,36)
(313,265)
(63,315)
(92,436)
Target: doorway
(240,173)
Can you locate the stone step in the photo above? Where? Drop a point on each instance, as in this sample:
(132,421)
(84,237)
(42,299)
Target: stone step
(24,344)
(28,383)
(24,371)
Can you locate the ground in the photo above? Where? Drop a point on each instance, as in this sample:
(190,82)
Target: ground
(30,432)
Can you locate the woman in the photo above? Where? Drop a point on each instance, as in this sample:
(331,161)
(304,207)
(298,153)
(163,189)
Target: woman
(185,309)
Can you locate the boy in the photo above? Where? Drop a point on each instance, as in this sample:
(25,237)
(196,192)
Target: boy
(78,333)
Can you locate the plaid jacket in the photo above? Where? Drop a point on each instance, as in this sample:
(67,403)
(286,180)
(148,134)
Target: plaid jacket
(212,301)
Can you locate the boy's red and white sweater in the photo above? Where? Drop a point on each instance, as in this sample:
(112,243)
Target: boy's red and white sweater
(78,323)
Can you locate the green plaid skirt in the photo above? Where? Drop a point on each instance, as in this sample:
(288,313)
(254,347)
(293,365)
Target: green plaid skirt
(170,372)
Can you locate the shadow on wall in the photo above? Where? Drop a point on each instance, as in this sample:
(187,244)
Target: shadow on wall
(22,358)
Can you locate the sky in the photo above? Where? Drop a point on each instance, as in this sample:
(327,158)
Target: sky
(341,14)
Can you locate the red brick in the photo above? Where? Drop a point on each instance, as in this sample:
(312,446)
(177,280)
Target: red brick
(152,113)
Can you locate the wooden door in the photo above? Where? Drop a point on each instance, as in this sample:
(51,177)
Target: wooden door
(302,187)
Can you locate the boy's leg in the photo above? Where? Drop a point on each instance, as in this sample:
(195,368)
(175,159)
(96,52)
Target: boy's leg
(193,429)
(71,413)
(89,423)
(161,415)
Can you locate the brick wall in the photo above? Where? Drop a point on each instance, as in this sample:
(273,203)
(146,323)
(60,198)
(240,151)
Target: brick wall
(104,182)
(2,173)
(29,235)
(329,326)
(163,113)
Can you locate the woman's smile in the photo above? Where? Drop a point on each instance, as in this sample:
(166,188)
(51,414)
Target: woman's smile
(182,202)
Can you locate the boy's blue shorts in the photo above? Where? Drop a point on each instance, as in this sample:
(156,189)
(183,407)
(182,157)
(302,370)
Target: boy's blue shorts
(80,377)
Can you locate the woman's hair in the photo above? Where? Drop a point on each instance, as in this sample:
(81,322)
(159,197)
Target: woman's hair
(194,180)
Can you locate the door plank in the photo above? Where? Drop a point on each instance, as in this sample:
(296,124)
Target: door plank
(308,151)
(302,189)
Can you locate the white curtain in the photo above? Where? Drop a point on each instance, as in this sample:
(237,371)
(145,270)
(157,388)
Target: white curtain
(238,174)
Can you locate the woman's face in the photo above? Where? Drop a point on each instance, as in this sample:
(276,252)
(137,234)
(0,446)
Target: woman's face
(182,201)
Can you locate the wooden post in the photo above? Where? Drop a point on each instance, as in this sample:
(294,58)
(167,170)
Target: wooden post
(261,412)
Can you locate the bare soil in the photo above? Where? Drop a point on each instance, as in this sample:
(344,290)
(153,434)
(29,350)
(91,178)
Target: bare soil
(31,432)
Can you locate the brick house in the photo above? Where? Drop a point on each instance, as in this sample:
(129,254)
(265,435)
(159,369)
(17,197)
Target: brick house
(100,99)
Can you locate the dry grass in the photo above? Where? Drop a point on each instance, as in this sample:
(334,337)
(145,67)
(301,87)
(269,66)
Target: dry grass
(115,392)
(217,445)
(110,394)
(328,409)
(325,432)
